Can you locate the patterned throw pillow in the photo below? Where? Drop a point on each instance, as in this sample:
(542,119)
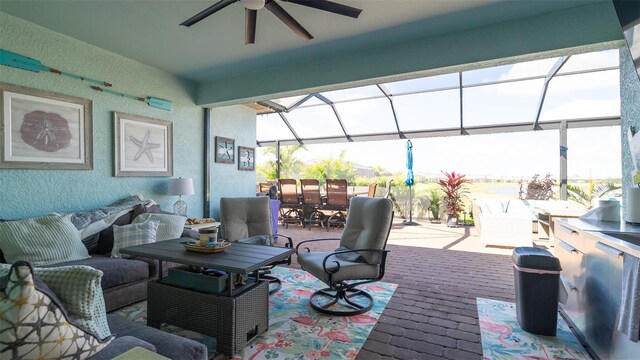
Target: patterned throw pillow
(43,241)
(78,288)
(171,226)
(133,234)
(35,325)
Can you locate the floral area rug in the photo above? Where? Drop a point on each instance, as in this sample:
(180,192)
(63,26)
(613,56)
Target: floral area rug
(502,337)
(296,331)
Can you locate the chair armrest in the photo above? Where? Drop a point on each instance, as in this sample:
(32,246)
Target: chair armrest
(324,262)
(312,240)
(289,243)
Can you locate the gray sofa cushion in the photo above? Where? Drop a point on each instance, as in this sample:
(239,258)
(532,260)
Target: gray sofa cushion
(121,345)
(368,226)
(115,271)
(312,262)
(169,345)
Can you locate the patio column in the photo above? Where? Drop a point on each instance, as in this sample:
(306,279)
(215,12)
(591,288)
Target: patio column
(563,160)
(277,159)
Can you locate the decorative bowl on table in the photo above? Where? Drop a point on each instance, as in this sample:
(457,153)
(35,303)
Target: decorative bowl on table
(212,247)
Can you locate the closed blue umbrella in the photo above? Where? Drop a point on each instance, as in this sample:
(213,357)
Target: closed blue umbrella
(410,181)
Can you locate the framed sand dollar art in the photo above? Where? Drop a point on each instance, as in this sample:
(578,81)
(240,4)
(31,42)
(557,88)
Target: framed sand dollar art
(44,130)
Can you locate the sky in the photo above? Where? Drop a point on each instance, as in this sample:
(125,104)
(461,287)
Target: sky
(593,152)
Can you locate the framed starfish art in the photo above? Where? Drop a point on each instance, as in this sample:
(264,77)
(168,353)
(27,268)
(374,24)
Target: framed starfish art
(144,146)
(225,150)
(44,130)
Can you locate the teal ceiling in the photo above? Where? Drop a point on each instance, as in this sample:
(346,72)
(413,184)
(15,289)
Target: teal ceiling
(214,49)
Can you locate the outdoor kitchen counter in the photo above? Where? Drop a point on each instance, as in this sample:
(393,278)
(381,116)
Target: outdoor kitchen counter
(620,235)
(592,255)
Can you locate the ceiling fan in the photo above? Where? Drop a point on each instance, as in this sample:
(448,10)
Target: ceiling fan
(251,8)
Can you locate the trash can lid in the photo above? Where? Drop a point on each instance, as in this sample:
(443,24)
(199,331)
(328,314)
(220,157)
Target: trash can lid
(535,258)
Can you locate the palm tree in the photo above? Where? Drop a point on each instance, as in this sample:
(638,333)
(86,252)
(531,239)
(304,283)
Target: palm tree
(586,198)
(289,164)
(330,168)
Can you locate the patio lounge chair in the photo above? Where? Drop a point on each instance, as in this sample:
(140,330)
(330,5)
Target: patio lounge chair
(372,190)
(249,220)
(360,259)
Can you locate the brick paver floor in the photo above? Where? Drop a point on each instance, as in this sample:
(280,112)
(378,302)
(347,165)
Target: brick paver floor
(432,314)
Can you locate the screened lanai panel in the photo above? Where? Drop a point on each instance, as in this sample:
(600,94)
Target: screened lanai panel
(508,72)
(582,159)
(288,101)
(313,101)
(363,92)
(422,84)
(367,116)
(594,60)
(587,95)
(499,104)
(313,122)
(271,127)
(427,111)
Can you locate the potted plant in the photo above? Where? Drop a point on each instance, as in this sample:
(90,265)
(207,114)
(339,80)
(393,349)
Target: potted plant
(454,188)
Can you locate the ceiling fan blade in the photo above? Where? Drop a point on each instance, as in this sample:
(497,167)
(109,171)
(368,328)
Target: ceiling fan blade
(208,11)
(284,16)
(250,26)
(330,7)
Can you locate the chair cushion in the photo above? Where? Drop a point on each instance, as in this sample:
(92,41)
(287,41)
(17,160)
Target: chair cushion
(368,226)
(349,270)
(35,324)
(116,271)
(256,240)
(42,241)
(242,218)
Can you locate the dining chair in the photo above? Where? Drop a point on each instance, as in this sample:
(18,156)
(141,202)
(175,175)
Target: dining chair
(337,202)
(290,207)
(359,259)
(372,190)
(312,202)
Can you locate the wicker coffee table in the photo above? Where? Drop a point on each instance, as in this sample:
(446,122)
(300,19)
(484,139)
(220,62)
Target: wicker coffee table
(235,316)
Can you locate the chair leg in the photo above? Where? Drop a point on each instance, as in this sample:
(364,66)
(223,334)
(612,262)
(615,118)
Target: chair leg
(346,297)
(277,284)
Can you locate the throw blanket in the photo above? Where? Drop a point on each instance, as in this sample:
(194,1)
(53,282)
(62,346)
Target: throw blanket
(93,221)
(630,305)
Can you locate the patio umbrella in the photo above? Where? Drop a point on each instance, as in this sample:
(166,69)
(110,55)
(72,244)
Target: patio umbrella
(410,181)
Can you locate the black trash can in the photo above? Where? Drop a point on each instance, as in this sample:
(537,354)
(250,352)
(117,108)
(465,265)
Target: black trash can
(537,275)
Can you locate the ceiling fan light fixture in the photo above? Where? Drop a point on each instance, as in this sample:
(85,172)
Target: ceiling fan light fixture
(253,4)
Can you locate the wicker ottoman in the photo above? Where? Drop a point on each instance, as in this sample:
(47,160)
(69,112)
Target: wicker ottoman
(233,321)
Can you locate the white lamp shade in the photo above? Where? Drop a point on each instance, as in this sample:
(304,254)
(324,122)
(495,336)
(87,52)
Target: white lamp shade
(253,4)
(181,186)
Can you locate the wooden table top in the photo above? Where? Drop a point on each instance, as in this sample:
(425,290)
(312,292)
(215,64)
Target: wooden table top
(238,258)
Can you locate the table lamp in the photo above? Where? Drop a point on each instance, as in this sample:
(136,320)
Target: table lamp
(179,187)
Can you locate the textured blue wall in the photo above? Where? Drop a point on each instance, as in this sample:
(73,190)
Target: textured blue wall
(629,113)
(35,192)
(239,123)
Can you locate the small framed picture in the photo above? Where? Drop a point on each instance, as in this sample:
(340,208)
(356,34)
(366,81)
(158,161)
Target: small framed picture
(143,146)
(44,130)
(246,158)
(225,150)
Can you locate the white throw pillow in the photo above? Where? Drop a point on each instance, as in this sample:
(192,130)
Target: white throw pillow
(133,234)
(171,226)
